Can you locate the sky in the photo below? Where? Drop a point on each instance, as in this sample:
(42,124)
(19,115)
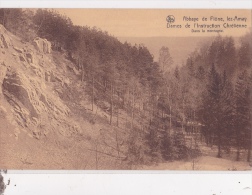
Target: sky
(153,23)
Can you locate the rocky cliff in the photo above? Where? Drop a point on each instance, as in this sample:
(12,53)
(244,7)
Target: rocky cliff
(26,71)
(46,121)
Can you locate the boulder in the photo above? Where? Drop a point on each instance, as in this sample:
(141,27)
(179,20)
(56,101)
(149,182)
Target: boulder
(5,40)
(42,45)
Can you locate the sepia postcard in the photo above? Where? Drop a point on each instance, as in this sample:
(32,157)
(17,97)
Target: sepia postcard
(148,90)
(125,89)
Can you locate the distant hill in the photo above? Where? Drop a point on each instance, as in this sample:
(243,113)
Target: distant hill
(180,47)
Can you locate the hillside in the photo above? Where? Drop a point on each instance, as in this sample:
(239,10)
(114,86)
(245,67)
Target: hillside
(41,125)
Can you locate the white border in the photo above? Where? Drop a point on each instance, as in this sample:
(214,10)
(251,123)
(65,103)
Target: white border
(188,4)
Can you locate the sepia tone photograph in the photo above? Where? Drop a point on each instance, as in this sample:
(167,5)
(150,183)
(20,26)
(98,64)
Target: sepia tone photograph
(125,89)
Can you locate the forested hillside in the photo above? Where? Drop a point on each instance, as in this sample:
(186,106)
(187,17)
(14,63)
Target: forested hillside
(152,111)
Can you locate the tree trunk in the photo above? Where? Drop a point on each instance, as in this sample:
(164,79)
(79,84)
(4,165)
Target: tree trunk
(96,156)
(249,153)
(238,153)
(111,104)
(170,122)
(219,144)
(238,144)
(117,120)
(92,92)
(193,121)
(82,72)
(133,107)
(117,144)
(183,119)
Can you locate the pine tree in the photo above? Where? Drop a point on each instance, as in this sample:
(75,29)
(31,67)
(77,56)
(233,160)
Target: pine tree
(242,95)
(217,110)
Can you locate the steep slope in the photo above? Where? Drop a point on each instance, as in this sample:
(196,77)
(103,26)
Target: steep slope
(41,125)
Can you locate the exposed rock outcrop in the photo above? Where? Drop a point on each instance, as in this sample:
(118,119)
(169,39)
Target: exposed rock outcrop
(3,70)
(42,45)
(18,49)
(19,86)
(29,57)
(31,83)
(5,40)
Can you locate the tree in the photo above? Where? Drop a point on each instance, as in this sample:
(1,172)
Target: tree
(243,111)
(209,105)
(245,59)
(165,59)
(52,26)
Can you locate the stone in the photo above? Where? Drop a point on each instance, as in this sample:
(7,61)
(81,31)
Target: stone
(18,85)
(3,71)
(22,58)
(29,57)
(3,112)
(5,40)
(47,76)
(42,45)
(18,49)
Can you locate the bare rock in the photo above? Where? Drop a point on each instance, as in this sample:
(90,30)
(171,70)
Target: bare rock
(3,112)
(3,70)
(42,45)
(29,57)
(22,58)
(47,76)
(19,86)
(5,40)
(52,77)
(37,70)
(18,49)
(36,135)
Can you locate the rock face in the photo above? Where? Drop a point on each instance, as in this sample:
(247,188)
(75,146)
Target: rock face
(29,57)
(20,87)
(5,40)
(34,107)
(28,83)
(3,70)
(42,45)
